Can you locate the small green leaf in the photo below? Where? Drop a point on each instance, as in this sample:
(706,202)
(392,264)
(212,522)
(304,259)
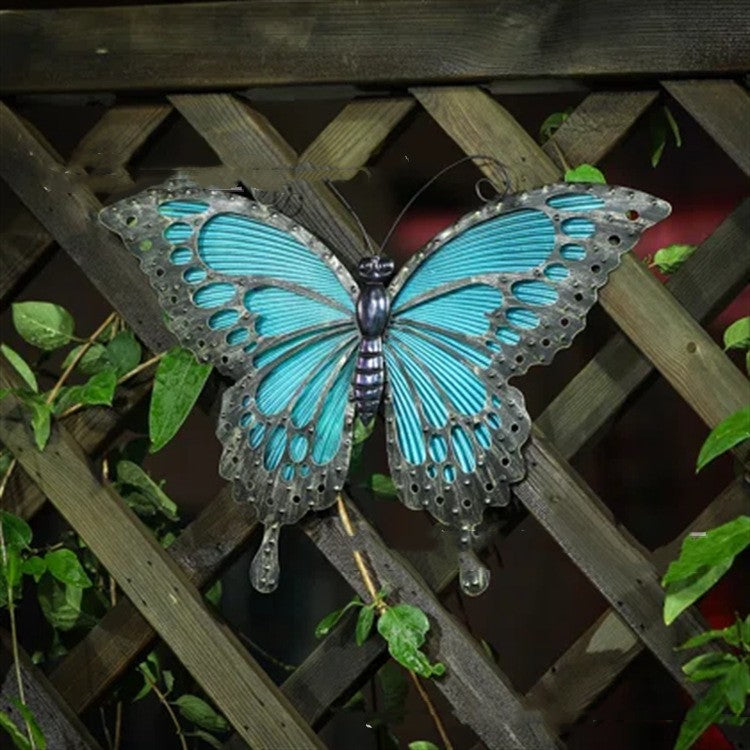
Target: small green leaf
(64,565)
(730,635)
(551,124)
(681,594)
(668,259)
(168,678)
(36,733)
(362,431)
(199,712)
(324,627)
(94,359)
(41,417)
(149,680)
(658,130)
(585,173)
(737,336)
(133,475)
(701,716)
(209,739)
(16,532)
(124,352)
(213,595)
(20,366)
(60,603)
(737,687)
(98,390)
(709,666)
(43,324)
(423,745)
(673,126)
(178,382)
(365,621)
(18,736)
(11,571)
(382,485)
(34,566)
(404,627)
(732,431)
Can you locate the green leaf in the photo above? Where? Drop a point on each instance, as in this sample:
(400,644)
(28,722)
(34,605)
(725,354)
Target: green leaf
(658,130)
(585,173)
(6,459)
(681,594)
(551,124)
(730,635)
(124,352)
(34,566)
(365,621)
(701,716)
(43,324)
(36,733)
(213,595)
(382,485)
(98,390)
(362,431)
(709,666)
(732,431)
(209,739)
(133,475)
(60,603)
(327,624)
(149,680)
(20,366)
(94,359)
(395,688)
(199,712)
(64,565)
(423,745)
(737,687)
(11,571)
(168,678)
(178,382)
(673,126)
(41,417)
(737,336)
(404,627)
(668,259)
(16,532)
(18,736)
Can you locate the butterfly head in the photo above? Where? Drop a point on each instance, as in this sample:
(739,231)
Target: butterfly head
(375,269)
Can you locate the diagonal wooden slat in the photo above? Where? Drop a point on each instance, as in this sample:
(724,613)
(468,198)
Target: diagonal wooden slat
(152,580)
(262,43)
(722,107)
(102,154)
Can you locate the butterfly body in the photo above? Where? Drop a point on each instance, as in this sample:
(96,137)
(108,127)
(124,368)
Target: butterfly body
(310,347)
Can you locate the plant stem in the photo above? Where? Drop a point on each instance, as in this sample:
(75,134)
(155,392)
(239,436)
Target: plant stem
(561,156)
(12,613)
(431,708)
(264,653)
(163,700)
(79,355)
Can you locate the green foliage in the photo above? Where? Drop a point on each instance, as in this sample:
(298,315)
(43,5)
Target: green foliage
(99,390)
(365,621)
(329,622)
(668,259)
(20,366)
(382,485)
(213,595)
(16,531)
(405,627)
(93,360)
(703,560)
(551,124)
(585,173)
(179,380)
(144,495)
(423,745)
(733,635)
(123,352)
(661,124)
(64,565)
(19,735)
(60,603)
(728,433)
(43,324)
(737,335)
(195,709)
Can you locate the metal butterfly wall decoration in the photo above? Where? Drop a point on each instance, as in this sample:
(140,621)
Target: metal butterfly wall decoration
(253,292)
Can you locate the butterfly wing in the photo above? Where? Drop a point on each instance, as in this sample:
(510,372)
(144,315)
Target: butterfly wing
(268,304)
(503,289)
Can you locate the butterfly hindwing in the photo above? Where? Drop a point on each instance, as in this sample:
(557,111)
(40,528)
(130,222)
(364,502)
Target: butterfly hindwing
(250,291)
(503,289)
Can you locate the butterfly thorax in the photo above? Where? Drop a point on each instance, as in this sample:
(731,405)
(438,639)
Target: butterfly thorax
(373,309)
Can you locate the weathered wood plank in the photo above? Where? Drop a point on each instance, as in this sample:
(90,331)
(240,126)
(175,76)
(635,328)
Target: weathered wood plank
(155,583)
(603,651)
(35,177)
(722,107)
(709,279)
(596,126)
(60,726)
(351,138)
(261,43)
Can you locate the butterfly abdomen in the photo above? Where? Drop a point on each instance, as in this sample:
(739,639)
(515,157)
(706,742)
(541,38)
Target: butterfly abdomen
(369,378)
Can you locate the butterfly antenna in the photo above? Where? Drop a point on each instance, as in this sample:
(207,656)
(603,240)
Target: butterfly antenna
(436,177)
(365,237)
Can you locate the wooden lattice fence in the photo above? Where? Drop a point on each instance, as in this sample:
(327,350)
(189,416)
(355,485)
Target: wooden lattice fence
(660,325)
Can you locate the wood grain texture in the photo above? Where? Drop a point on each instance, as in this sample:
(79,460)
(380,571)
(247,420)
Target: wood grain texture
(249,145)
(60,726)
(722,107)
(477,690)
(710,278)
(323,41)
(596,126)
(350,139)
(605,649)
(159,588)
(68,210)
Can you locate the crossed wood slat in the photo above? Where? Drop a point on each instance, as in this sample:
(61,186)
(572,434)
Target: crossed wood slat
(637,104)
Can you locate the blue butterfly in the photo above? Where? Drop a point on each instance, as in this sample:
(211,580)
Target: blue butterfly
(253,292)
